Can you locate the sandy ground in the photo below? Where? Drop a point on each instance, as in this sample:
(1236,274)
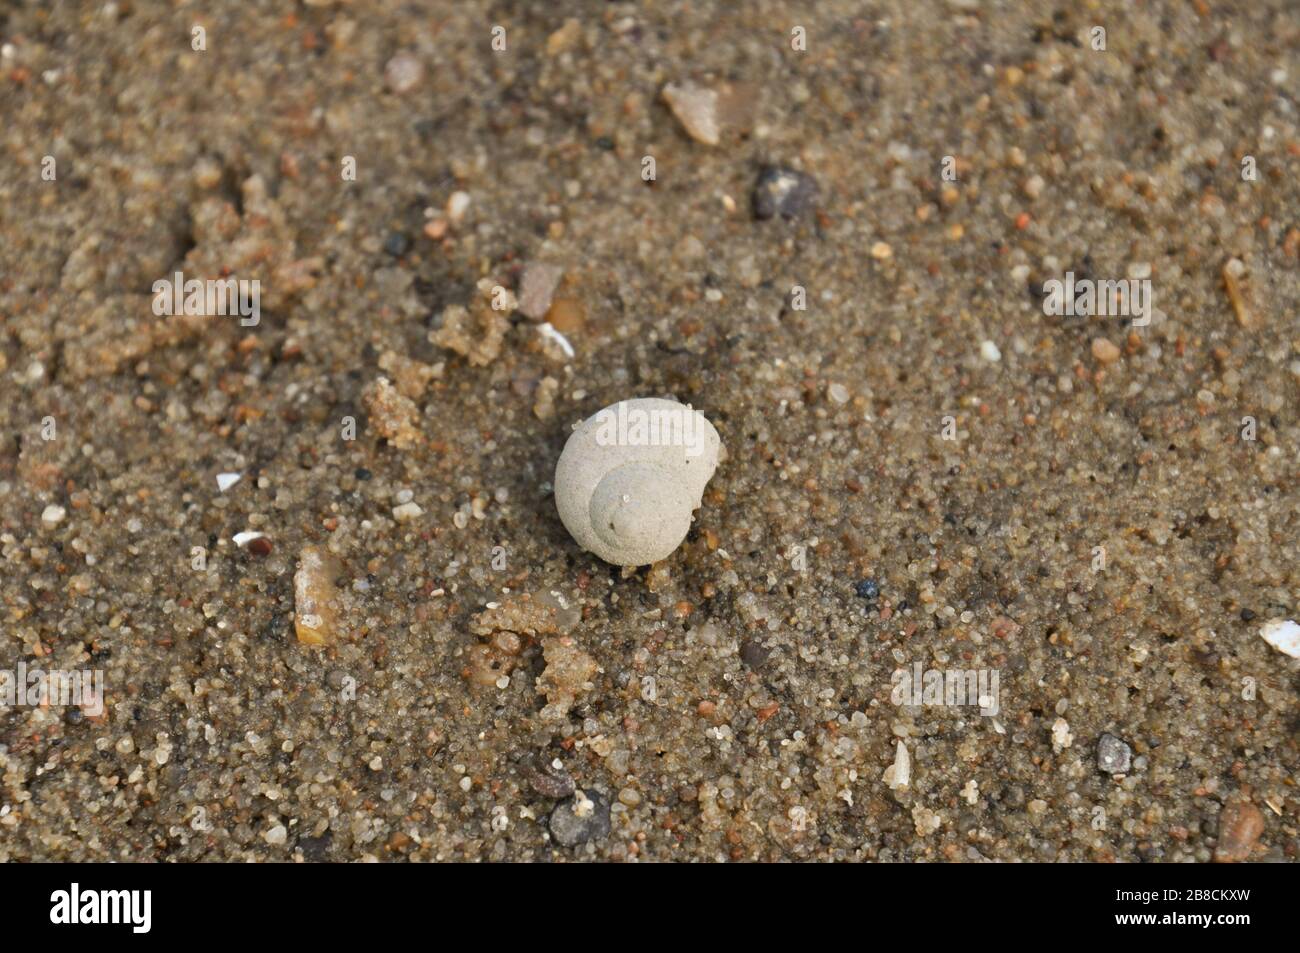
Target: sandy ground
(1102,530)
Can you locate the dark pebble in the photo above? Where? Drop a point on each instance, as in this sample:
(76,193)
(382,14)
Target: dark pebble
(315,848)
(868,589)
(361,473)
(570,830)
(275,631)
(260,546)
(783,192)
(753,653)
(396,244)
(548,780)
(1013,796)
(1247,615)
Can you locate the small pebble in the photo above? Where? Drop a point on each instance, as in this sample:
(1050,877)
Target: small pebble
(989,351)
(549,778)
(207,173)
(53,514)
(754,654)
(1240,826)
(565,38)
(406,512)
(457,206)
(583,817)
(783,192)
(397,244)
(1113,755)
(1061,736)
(537,288)
(1104,351)
(868,589)
(403,73)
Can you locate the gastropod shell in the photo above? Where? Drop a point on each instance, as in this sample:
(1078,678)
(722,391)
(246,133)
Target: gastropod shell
(630,477)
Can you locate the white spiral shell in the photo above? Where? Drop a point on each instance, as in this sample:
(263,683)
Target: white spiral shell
(631,475)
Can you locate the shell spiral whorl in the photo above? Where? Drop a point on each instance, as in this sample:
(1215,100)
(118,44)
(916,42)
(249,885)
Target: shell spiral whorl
(631,475)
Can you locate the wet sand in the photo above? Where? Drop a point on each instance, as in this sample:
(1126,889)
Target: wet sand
(922,467)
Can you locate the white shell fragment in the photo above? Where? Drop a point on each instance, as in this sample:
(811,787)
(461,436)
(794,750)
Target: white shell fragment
(898,776)
(548,331)
(226,480)
(696,108)
(1283,635)
(631,475)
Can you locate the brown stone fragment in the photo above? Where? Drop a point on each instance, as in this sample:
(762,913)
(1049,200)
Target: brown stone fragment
(1240,826)
(315,597)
